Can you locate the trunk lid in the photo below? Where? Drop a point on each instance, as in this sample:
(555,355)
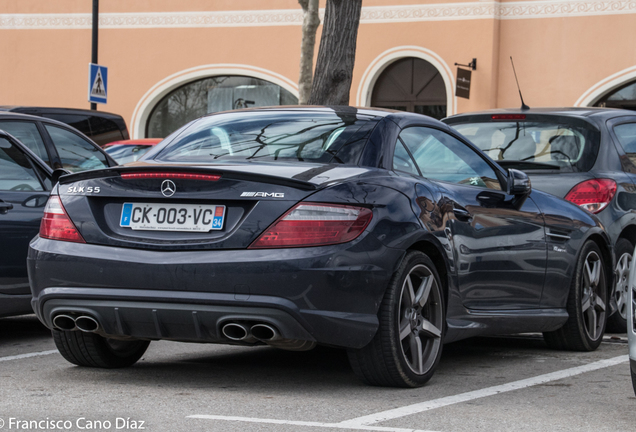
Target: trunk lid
(246,198)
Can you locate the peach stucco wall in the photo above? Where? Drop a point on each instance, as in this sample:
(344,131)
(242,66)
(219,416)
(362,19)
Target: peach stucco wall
(558,57)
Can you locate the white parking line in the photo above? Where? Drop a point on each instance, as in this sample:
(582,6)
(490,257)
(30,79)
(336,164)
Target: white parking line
(477,394)
(304,423)
(33,354)
(366,422)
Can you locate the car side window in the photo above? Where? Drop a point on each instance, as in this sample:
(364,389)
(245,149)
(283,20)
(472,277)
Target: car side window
(402,161)
(16,172)
(440,156)
(27,133)
(626,134)
(76,153)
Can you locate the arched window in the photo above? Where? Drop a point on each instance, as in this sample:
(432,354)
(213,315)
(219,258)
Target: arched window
(411,84)
(622,97)
(213,94)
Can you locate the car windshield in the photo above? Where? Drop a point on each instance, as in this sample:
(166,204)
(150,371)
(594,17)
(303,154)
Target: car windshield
(535,145)
(125,153)
(325,137)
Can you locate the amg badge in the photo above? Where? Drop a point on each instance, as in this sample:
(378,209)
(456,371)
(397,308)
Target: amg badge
(263,194)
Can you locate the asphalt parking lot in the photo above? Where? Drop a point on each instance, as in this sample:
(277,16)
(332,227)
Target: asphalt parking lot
(489,384)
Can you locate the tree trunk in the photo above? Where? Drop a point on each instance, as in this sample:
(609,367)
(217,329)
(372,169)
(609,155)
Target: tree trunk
(311,21)
(336,55)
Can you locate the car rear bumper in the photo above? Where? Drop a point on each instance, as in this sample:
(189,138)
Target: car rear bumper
(329,295)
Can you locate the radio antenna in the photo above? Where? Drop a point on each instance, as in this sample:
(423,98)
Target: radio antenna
(523,105)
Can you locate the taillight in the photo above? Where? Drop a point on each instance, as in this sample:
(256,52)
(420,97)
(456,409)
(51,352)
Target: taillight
(172,175)
(593,195)
(56,225)
(315,224)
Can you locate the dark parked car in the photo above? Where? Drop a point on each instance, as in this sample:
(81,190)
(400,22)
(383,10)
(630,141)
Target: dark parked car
(102,127)
(385,233)
(25,182)
(25,173)
(56,143)
(585,155)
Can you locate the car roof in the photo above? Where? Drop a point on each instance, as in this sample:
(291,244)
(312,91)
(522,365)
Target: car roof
(58,110)
(4,115)
(559,111)
(399,117)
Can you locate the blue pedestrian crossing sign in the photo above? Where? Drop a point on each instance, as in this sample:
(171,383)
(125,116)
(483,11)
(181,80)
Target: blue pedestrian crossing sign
(97,83)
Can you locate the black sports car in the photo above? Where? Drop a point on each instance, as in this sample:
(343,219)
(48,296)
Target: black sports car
(382,232)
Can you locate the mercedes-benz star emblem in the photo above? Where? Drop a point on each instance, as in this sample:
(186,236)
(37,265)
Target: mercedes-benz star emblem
(168,188)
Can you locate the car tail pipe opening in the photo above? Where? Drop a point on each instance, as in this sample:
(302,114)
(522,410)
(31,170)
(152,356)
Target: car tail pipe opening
(64,322)
(237,332)
(265,332)
(86,324)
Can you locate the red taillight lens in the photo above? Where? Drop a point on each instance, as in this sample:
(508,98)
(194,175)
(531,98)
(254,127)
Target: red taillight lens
(172,175)
(508,117)
(314,224)
(593,195)
(56,225)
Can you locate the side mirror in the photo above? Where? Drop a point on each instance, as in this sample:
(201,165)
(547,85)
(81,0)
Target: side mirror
(518,183)
(57,174)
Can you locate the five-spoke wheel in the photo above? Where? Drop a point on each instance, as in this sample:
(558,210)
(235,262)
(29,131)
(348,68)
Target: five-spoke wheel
(420,319)
(408,345)
(587,304)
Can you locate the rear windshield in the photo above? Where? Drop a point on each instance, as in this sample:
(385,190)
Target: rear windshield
(271,136)
(528,145)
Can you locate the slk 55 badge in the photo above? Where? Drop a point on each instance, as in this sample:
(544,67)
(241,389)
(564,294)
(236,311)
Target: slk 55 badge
(82,189)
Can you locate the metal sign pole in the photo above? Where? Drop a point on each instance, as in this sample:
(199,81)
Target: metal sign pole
(94,41)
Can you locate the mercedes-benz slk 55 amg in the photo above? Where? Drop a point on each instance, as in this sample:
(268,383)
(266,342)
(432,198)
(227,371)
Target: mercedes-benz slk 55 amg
(385,233)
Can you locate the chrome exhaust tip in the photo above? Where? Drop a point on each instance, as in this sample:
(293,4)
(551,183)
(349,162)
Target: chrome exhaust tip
(87,324)
(264,332)
(64,322)
(235,331)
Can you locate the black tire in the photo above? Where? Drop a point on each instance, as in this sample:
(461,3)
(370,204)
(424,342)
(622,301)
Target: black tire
(586,306)
(617,322)
(408,345)
(92,350)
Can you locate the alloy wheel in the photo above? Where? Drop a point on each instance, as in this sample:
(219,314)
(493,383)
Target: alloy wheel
(420,319)
(592,303)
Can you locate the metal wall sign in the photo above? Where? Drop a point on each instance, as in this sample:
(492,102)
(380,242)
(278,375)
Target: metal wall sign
(97,83)
(462,89)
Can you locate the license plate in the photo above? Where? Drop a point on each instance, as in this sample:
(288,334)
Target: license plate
(172,217)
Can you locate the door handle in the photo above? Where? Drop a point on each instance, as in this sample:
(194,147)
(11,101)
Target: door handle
(5,207)
(462,214)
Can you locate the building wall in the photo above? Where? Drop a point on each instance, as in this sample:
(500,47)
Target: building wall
(566,52)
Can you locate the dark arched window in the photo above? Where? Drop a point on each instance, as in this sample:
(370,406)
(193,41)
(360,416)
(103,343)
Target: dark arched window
(213,94)
(622,97)
(411,84)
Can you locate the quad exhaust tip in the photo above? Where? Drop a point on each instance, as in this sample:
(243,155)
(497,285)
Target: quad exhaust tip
(245,333)
(84,323)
